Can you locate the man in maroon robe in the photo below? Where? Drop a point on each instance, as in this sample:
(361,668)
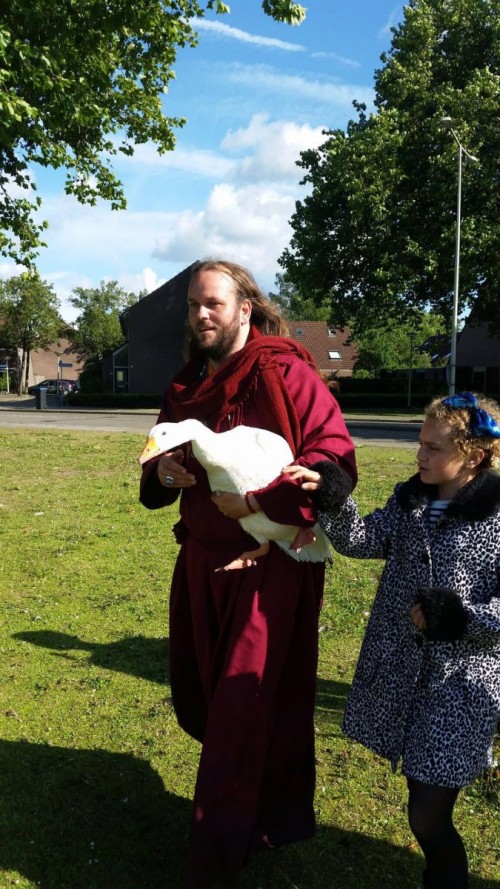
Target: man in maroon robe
(244,643)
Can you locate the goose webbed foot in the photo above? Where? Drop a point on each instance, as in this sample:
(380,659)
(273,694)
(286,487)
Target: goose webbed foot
(246,560)
(303,537)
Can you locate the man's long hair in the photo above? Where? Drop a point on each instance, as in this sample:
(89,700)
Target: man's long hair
(265,316)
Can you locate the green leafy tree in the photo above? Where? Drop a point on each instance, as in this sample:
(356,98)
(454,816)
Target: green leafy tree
(377,231)
(98,328)
(395,345)
(29,312)
(79,83)
(284,11)
(295,307)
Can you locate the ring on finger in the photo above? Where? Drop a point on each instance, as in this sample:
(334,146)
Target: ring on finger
(169,480)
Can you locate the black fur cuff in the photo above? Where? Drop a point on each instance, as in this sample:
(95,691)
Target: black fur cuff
(337,485)
(444,613)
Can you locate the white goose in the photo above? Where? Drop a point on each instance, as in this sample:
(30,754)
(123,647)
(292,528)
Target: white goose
(240,460)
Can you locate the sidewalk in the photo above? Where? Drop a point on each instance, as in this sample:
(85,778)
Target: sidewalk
(27,403)
(13,402)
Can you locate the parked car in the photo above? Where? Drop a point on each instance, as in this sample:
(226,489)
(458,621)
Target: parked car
(54,387)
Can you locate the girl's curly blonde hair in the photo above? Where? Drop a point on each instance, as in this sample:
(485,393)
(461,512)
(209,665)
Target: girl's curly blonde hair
(459,418)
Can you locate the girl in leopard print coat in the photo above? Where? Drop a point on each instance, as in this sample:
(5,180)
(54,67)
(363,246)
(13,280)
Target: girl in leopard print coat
(426,689)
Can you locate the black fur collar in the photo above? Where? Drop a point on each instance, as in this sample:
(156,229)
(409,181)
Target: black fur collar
(475,502)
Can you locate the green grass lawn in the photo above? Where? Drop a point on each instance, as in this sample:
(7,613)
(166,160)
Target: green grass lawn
(95,775)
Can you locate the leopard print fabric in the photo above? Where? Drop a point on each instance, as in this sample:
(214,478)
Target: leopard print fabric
(434,706)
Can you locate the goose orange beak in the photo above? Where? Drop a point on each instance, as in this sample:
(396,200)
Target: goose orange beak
(149,450)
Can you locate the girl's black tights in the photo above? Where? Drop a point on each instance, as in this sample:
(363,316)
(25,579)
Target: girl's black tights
(430,813)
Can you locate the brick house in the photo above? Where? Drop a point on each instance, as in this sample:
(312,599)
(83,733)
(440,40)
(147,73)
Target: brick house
(44,364)
(330,348)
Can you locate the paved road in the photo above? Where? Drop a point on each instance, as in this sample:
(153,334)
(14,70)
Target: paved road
(403,434)
(384,433)
(65,418)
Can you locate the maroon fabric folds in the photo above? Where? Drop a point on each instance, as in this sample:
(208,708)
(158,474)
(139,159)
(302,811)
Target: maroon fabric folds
(243,661)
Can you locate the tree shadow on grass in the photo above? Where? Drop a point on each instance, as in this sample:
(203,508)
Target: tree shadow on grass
(331,699)
(338,859)
(88,819)
(148,659)
(134,655)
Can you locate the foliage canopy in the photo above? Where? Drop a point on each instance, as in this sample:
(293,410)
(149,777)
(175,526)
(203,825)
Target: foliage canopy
(397,344)
(294,307)
(80,82)
(98,328)
(29,310)
(377,231)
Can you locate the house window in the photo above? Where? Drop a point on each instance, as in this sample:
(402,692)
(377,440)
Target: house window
(299,331)
(334,354)
(120,369)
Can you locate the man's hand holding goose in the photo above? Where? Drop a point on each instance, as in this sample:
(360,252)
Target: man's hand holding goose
(172,473)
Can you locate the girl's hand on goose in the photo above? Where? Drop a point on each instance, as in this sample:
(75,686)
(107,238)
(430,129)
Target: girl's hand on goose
(311,481)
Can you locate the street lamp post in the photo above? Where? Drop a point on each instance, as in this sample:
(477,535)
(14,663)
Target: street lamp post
(58,374)
(446,123)
(411,337)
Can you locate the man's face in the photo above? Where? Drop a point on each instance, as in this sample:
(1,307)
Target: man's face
(220,323)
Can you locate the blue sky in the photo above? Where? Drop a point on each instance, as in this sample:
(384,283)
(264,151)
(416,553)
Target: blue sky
(255,94)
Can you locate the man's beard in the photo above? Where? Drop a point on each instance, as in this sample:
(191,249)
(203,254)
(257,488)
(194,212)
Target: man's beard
(224,341)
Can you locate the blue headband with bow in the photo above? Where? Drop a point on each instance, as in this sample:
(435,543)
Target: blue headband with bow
(482,424)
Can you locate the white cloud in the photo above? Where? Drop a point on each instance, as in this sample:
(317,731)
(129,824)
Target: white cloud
(193,161)
(65,282)
(319,91)
(350,63)
(85,243)
(76,230)
(273,149)
(245,216)
(392,21)
(249,225)
(147,279)
(264,150)
(236,34)
(10,269)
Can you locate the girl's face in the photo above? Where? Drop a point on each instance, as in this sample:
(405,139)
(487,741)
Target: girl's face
(441,463)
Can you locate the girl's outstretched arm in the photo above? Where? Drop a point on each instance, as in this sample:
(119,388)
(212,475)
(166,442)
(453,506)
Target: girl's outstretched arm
(330,485)
(338,515)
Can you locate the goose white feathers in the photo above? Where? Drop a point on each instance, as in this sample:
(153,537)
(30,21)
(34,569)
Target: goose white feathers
(239,460)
